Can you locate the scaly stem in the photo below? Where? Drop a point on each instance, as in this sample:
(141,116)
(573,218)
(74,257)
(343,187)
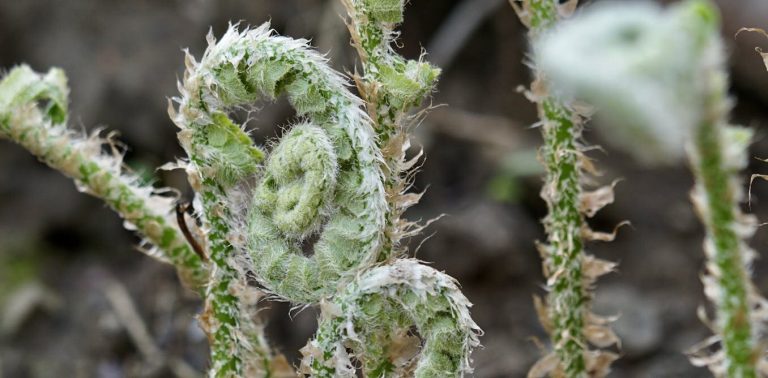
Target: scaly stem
(561,130)
(566,316)
(227,356)
(564,223)
(221,156)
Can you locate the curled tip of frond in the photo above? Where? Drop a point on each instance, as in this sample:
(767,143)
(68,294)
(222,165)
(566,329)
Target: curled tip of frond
(33,113)
(22,86)
(429,299)
(322,178)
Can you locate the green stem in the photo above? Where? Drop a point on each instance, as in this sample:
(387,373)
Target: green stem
(227,340)
(563,256)
(720,219)
(391,87)
(46,136)
(221,157)
(564,223)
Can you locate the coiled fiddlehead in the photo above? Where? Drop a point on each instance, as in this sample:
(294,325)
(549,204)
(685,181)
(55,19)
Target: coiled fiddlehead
(323,176)
(322,180)
(377,306)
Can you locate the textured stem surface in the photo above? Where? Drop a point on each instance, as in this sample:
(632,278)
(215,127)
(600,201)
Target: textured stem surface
(567,299)
(570,273)
(391,86)
(33,113)
(221,156)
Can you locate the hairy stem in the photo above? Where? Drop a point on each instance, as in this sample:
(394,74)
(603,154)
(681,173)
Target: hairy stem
(562,190)
(33,113)
(567,315)
(391,86)
(221,155)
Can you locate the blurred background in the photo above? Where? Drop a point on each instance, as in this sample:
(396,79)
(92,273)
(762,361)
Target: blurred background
(77,300)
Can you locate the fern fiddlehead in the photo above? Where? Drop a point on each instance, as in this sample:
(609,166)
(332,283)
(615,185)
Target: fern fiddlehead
(378,305)
(33,114)
(323,174)
(322,179)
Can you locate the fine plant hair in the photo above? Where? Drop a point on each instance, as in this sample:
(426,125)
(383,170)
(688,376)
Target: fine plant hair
(656,70)
(337,179)
(569,270)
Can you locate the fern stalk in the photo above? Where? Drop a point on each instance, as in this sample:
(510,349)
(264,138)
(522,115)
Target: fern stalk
(567,316)
(33,114)
(390,86)
(717,195)
(220,156)
(567,297)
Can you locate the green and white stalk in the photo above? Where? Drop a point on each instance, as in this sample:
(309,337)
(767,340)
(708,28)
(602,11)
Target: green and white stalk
(569,270)
(221,156)
(674,61)
(391,87)
(33,114)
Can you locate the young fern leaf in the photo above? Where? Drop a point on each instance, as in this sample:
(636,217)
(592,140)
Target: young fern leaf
(677,56)
(569,270)
(323,172)
(323,178)
(384,299)
(33,114)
